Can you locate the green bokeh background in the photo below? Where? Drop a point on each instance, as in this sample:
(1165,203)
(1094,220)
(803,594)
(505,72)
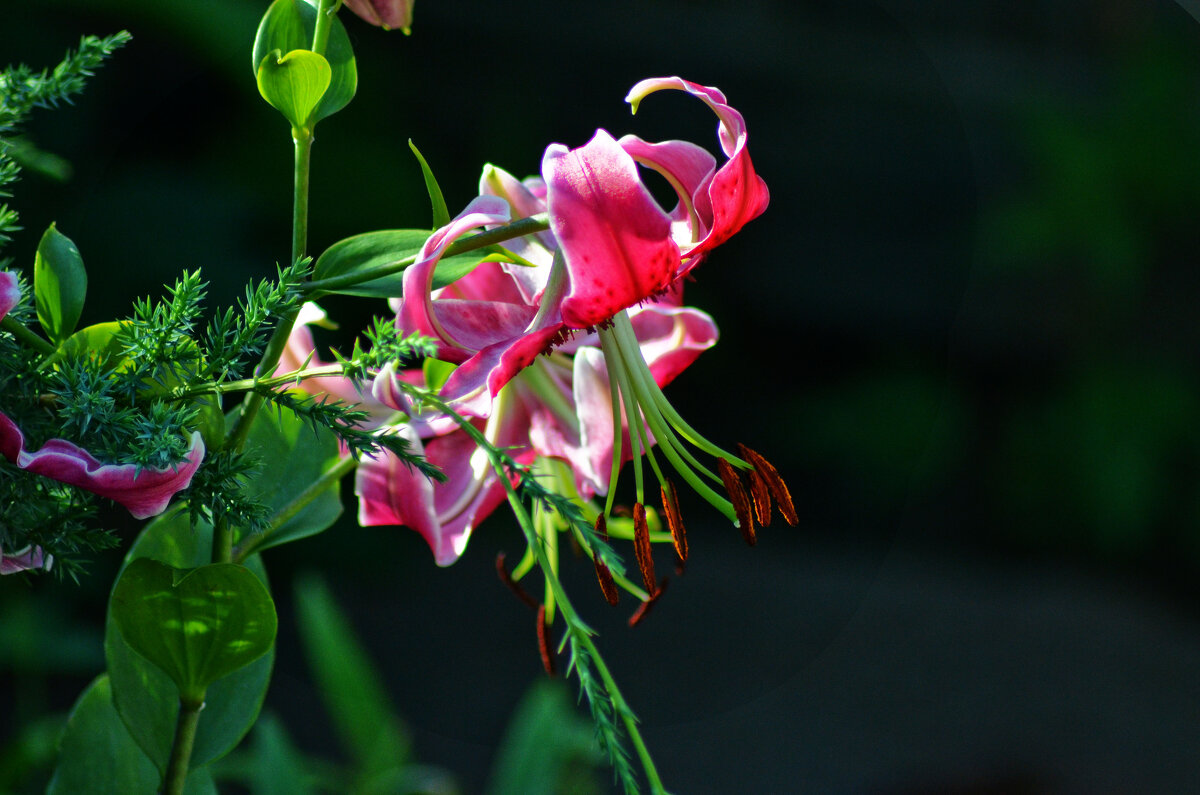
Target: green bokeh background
(965,331)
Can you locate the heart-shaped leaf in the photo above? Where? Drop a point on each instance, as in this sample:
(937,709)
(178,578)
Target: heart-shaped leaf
(145,697)
(288,25)
(293,84)
(197,625)
(59,284)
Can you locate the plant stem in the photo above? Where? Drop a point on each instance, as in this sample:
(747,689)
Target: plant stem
(325,13)
(26,336)
(181,747)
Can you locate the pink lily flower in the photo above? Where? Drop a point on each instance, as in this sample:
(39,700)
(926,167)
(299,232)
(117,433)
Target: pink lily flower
(387,14)
(9,292)
(145,493)
(26,559)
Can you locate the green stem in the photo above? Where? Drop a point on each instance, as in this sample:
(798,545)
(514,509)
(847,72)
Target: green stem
(525,226)
(577,628)
(181,747)
(26,337)
(325,13)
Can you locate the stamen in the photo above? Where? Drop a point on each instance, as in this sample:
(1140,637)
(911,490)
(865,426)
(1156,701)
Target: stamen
(611,595)
(767,472)
(737,495)
(507,579)
(544,641)
(644,608)
(670,501)
(760,495)
(641,547)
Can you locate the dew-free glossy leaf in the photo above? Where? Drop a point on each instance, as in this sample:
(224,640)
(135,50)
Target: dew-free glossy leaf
(441,213)
(292,457)
(294,83)
(383,248)
(145,697)
(98,757)
(59,284)
(197,625)
(288,25)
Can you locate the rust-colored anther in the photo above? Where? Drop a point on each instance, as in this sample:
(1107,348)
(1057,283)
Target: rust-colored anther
(543,635)
(670,501)
(760,495)
(507,579)
(611,594)
(737,495)
(783,497)
(641,547)
(644,608)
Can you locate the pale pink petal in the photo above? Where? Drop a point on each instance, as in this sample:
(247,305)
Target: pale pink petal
(25,559)
(671,338)
(9,292)
(688,168)
(615,238)
(144,493)
(445,514)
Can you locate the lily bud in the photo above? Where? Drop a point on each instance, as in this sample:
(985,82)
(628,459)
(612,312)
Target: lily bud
(387,14)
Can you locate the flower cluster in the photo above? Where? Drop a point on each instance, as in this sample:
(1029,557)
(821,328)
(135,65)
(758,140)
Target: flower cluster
(560,354)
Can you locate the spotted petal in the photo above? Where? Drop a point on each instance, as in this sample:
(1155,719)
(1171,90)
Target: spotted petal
(9,292)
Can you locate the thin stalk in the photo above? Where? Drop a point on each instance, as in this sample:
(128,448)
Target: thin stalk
(181,747)
(325,13)
(26,337)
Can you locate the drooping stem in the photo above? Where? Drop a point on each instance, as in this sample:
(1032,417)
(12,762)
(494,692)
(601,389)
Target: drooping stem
(25,336)
(181,746)
(325,13)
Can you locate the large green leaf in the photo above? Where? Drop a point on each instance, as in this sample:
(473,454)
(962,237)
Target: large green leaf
(288,25)
(384,247)
(197,625)
(146,698)
(292,456)
(59,284)
(98,757)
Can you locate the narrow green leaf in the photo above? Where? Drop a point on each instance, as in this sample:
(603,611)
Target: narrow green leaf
(98,757)
(145,697)
(293,84)
(383,248)
(269,763)
(293,456)
(350,685)
(197,626)
(59,284)
(288,25)
(441,214)
(547,748)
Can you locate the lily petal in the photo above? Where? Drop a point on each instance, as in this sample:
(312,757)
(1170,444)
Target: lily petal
(145,493)
(737,194)
(387,14)
(9,292)
(26,559)
(615,238)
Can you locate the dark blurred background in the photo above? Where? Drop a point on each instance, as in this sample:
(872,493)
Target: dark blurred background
(964,331)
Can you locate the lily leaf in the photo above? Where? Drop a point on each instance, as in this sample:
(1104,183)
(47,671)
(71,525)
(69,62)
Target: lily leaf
(98,757)
(198,625)
(59,284)
(441,213)
(145,697)
(288,25)
(384,247)
(294,84)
